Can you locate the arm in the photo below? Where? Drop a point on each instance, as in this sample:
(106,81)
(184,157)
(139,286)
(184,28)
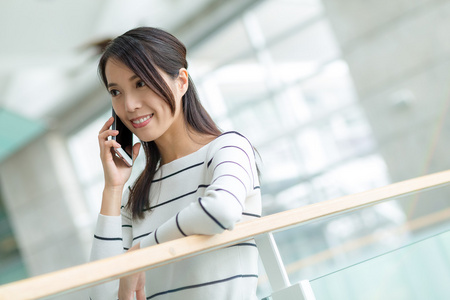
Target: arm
(112,236)
(113,230)
(233,169)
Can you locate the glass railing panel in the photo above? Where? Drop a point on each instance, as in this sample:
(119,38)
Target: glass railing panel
(330,244)
(420,270)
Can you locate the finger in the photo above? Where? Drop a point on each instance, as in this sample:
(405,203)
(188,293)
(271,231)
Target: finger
(140,295)
(107,124)
(124,295)
(103,136)
(109,144)
(112,144)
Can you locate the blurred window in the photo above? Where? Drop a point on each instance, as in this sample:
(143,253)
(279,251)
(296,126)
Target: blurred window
(275,74)
(84,149)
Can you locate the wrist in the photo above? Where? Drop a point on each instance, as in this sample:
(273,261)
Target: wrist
(114,188)
(111,201)
(135,247)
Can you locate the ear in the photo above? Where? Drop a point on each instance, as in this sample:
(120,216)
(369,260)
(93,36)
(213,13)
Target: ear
(183,81)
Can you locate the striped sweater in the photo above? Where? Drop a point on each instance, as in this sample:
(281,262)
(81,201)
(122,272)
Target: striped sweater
(205,192)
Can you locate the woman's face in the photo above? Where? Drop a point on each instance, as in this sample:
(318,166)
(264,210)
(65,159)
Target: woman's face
(146,114)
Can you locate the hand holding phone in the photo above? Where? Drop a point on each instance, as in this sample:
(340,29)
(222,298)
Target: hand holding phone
(125,139)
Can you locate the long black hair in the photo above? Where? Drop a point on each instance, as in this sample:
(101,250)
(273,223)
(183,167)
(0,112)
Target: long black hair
(144,50)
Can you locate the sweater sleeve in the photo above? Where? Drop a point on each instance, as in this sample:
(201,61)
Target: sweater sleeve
(233,168)
(112,236)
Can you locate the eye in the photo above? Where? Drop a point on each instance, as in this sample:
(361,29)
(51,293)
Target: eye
(140,84)
(114,93)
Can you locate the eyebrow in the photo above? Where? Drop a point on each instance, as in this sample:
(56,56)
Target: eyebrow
(130,79)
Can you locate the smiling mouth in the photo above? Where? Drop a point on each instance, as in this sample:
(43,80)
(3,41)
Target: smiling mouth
(142,120)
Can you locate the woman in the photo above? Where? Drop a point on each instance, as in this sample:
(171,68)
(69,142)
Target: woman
(197,180)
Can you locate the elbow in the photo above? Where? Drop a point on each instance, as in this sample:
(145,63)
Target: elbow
(224,216)
(230,218)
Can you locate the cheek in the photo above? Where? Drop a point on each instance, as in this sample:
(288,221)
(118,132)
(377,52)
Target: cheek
(118,109)
(166,110)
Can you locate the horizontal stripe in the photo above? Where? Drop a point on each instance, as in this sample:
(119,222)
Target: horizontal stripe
(209,162)
(142,235)
(251,215)
(253,149)
(202,285)
(232,162)
(131,226)
(243,244)
(229,175)
(248,157)
(107,239)
(235,132)
(211,216)
(182,170)
(156,239)
(178,225)
(225,147)
(177,198)
(239,148)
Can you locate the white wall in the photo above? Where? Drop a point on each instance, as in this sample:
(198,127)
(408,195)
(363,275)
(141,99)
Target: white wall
(399,56)
(49,218)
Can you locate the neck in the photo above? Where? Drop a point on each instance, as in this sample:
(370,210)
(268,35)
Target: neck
(180,143)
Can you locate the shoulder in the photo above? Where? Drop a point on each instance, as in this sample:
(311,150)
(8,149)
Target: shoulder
(231,138)
(228,141)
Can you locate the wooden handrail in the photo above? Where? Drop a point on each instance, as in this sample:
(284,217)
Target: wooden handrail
(82,276)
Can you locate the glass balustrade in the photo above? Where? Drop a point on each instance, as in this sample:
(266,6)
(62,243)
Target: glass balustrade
(420,270)
(377,250)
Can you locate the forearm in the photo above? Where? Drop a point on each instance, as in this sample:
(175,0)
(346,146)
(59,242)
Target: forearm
(111,201)
(211,217)
(113,232)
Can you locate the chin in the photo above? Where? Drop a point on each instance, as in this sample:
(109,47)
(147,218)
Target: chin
(148,138)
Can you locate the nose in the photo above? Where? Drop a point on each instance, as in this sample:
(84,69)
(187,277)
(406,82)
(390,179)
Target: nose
(132,102)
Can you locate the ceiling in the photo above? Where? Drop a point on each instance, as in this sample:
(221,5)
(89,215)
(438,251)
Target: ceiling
(47,66)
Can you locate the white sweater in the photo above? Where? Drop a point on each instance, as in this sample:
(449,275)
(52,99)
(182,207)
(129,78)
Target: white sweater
(206,192)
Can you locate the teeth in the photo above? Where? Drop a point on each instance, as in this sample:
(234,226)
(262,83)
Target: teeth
(142,119)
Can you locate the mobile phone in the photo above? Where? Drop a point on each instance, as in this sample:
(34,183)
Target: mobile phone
(125,139)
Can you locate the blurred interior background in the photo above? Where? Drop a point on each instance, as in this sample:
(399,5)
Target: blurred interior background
(338,97)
